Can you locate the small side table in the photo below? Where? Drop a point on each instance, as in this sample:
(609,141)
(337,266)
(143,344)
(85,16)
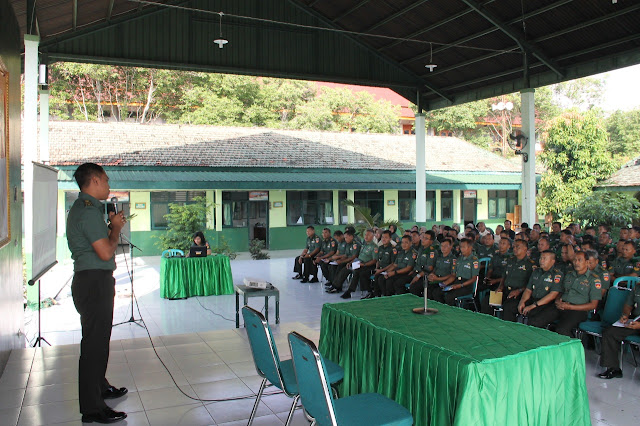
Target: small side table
(248,292)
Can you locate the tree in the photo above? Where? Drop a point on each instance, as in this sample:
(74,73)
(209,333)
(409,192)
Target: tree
(182,222)
(624,131)
(576,157)
(582,93)
(614,208)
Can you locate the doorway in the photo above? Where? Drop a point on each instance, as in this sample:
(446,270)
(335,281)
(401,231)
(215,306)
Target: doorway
(468,210)
(259,221)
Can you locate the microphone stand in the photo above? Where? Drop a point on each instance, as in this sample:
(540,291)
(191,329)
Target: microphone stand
(131,247)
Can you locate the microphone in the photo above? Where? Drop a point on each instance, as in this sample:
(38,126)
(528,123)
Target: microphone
(114,201)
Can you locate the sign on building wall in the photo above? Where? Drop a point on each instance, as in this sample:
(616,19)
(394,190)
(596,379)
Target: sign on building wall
(258,196)
(470,194)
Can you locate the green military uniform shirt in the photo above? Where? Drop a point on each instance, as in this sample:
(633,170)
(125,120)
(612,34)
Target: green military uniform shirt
(426,260)
(622,267)
(352,249)
(499,264)
(444,265)
(329,245)
(386,255)
(542,282)
(395,237)
(581,289)
(517,273)
(608,254)
(85,226)
(605,279)
(342,247)
(416,248)
(467,267)
(633,300)
(313,243)
(484,251)
(405,258)
(368,252)
(534,254)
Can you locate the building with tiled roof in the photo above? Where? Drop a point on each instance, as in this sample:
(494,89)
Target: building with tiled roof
(625,179)
(272,183)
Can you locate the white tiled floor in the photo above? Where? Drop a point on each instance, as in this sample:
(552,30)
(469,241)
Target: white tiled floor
(207,356)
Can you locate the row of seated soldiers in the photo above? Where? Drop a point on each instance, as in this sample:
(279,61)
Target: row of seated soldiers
(545,278)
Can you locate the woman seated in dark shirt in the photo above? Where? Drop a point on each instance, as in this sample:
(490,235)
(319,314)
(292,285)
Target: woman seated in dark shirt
(200,241)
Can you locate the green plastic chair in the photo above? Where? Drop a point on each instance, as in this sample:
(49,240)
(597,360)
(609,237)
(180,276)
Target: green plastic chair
(371,409)
(611,313)
(631,282)
(268,364)
(173,253)
(633,340)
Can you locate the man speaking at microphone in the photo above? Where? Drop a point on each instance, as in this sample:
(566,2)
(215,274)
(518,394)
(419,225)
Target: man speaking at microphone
(93,246)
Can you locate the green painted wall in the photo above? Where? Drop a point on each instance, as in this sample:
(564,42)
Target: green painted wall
(237,238)
(294,237)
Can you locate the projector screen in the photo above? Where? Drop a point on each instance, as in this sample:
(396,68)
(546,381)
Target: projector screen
(45,204)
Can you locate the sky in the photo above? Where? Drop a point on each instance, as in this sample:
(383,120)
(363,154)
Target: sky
(623,89)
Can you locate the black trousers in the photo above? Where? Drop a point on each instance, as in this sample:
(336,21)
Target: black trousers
(510,307)
(398,283)
(307,267)
(326,270)
(361,276)
(541,316)
(417,288)
(451,295)
(339,275)
(93,292)
(611,339)
(334,270)
(383,286)
(568,320)
(434,292)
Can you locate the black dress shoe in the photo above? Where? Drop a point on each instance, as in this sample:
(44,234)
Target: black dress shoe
(333,290)
(105,416)
(305,280)
(610,373)
(314,280)
(297,277)
(368,296)
(346,295)
(113,393)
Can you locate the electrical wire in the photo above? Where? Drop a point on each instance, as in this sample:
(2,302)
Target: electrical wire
(237,398)
(313,27)
(214,313)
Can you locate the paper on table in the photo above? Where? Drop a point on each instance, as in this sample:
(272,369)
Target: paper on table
(620,324)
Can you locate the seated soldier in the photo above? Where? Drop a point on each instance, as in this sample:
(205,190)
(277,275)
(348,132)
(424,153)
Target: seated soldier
(625,233)
(607,249)
(567,255)
(488,248)
(402,272)
(513,283)
(613,336)
(416,243)
(341,247)
(386,258)
(327,250)
(366,260)
(303,265)
(424,263)
(497,266)
(351,252)
(537,304)
(581,293)
(443,270)
(465,274)
(627,264)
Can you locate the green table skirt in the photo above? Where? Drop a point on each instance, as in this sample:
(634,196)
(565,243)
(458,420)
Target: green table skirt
(195,276)
(457,367)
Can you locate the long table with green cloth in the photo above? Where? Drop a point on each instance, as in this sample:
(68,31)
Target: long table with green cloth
(182,277)
(456,367)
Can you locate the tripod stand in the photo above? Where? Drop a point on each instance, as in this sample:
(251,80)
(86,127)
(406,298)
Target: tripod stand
(32,281)
(133,320)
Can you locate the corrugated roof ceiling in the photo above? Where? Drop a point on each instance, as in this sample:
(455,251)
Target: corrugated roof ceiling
(478,45)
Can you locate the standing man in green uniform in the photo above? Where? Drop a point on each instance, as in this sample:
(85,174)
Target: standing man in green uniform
(424,263)
(386,258)
(402,272)
(613,336)
(514,281)
(351,252)
(327,250)
(466,272)
(581,295)
(443,270)
(303,265)
(93,246)
(537,304)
